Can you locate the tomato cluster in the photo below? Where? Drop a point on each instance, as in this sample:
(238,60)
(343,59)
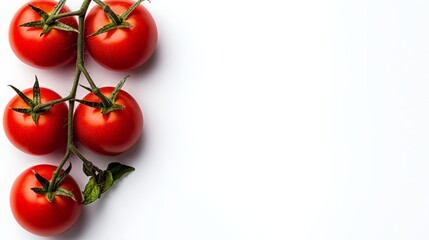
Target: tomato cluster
(120,35)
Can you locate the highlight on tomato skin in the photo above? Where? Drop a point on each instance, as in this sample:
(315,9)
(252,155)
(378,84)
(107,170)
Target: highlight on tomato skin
(121,49)
(35,213)
(55,48)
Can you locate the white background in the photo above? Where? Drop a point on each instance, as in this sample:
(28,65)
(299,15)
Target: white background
(264,120)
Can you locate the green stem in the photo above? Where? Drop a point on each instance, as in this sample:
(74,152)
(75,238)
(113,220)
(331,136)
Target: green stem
(57,171)
(72,95)
(79,12)
(83,158)
(51,103)
(55,11)
(53,18)
(95,90)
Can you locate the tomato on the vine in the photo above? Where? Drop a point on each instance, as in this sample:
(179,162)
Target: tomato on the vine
(35,213)
(44,136)
(121,48)
(110,133)
(44,199)
(53,48)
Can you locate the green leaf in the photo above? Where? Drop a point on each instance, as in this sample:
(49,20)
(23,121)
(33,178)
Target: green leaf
(39,11)
(44,25)
(104,180)
(39,190)
(85,87)
(64,192)
(43,181)
(57,190)
(106,105)
(22,110)
(125,15)
(98,105)
(35,117)
(108,181)
(57,25)
(58,7)
(110,26)
(103,29)
(45,29)
(113,18)
(36,92)
(118,87)
(44,109)
(109,12)
(118,170)
(114,107)
(92,191)
(63,27)
(31,103)
(35,24)
(26,99)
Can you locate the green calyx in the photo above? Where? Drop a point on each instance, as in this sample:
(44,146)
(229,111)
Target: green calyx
(33,104)
(57,190)
(45,24)
(107,103)
(116,21)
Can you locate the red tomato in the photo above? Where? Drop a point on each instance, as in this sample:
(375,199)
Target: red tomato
(53,49)
(50,132)
(35,213)
(112,133)
(121,49)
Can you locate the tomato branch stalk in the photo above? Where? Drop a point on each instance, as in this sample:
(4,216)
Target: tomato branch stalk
(100,180)
(79,62)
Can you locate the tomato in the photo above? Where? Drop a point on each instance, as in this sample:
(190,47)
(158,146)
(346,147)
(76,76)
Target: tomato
(53,49)
(35,213)
(50,132)
(111,133)
(121,49)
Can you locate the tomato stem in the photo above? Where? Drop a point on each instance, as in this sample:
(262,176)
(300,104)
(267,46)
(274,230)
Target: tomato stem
(51,103)
(53,181)
(76,152)
(55,11)
(72,95)
(94,89)
(80,69)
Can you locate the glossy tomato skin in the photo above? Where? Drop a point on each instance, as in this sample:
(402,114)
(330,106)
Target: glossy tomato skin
(112,133)
(54,49)
(121,49)
(35,213)
(50,132)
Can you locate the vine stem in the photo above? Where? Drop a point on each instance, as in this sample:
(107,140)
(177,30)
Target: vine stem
(83,158)
(95,90)
(79,66)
